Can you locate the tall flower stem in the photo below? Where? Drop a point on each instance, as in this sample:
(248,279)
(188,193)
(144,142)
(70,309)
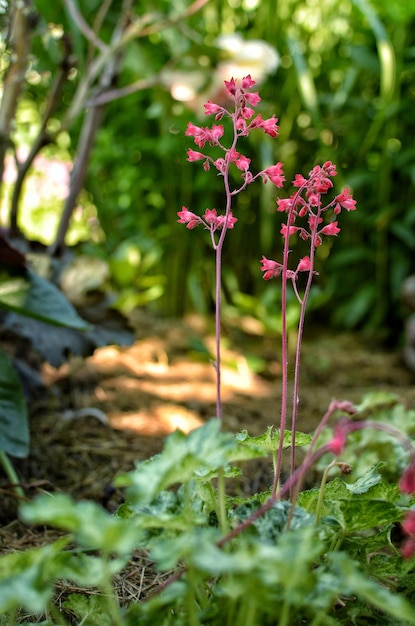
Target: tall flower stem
(303,301)
(218,274)
(284,360)
(284,348)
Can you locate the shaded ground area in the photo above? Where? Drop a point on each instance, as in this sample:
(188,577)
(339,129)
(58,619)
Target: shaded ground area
(106,412)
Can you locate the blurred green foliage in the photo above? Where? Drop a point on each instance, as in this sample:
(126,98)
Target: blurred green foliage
(344,90)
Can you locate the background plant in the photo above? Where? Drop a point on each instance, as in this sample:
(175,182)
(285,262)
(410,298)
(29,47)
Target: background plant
(344,82)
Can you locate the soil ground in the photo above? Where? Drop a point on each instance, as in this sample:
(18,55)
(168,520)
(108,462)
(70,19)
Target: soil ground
(104,413)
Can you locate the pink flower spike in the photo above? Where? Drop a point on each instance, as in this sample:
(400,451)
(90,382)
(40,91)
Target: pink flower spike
(192,155)
(187,217)
(330,229)
(304,264)
(271,269)
(407,482)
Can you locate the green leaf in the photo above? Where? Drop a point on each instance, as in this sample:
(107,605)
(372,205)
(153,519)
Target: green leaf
(27,578)
(86,570)
(91,525)
(367,481)
(367,589)
(184,458)
(36,297)
(361,514)
(91,610)
(273,522)
(270,440)
(14,428)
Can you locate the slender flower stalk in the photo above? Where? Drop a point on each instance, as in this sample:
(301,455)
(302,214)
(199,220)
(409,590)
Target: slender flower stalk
(242,124)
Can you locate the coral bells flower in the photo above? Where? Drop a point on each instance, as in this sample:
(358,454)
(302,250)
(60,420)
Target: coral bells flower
(287,231)
(330,229)
(214,109)
(407,482)
(408,527)
(274,174)
(408,524)
(222,219)
(203,135)
(269,126)
(215,221)
(338,443)
(187,217)
(192,155)
(344,200)
(242,163)
(271,269)
(304,265)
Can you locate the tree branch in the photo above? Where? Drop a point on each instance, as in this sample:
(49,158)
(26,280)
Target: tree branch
(21,26)
(43,137)
(89,34)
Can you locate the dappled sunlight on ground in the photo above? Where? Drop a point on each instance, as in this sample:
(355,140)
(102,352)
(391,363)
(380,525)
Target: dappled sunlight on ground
(107,412)
(165,392)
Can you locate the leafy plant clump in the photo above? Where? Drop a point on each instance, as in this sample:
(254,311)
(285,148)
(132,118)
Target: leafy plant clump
(339,553)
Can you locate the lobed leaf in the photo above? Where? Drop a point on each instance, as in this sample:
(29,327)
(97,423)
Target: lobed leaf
(14,427)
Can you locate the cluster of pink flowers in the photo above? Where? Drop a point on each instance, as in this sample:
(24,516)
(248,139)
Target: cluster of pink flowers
(210,220)
(244,120)
(306,203)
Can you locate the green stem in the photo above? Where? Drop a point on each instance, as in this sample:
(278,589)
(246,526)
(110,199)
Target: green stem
(284,615)
(223,520)
(11,474)
(318,618)
(322,487)
(193,619)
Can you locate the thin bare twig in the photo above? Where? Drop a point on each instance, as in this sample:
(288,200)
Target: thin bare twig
(20,37)
(84,27)
(43,137)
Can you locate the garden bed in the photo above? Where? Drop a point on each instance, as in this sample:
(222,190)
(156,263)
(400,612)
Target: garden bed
(104,413)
